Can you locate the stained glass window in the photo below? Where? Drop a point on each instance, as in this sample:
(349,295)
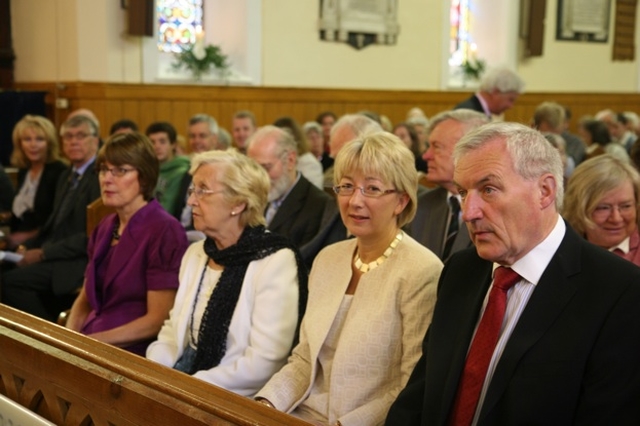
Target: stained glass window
(461,46)
(178,22)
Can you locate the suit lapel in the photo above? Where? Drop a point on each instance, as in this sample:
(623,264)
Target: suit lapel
(289,207)
(462,240)
(330,298)
(462,302)
(438,223)
(125,251)
(553,292)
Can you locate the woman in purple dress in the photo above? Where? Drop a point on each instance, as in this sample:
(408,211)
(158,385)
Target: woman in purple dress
(134,254)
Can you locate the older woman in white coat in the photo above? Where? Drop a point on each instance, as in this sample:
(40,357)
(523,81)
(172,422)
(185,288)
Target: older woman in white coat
(236,311)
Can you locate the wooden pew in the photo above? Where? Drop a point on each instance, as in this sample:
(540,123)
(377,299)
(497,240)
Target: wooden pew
(95,212)
(71,379)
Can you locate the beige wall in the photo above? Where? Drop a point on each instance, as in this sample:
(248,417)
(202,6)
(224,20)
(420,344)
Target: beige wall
(81,40)
(73,40)
(293,54)
(577,66)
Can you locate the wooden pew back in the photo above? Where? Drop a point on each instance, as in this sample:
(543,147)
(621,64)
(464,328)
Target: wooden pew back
(71,379)
(95,212)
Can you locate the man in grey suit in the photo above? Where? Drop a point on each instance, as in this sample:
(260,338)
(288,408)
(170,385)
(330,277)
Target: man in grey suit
(295,205)
(437,224)
(54,261)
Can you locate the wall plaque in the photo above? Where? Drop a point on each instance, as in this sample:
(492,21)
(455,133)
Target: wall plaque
(583,20)
(359,22)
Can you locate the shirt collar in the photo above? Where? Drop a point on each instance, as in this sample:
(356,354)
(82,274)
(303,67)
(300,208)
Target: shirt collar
(623,246)
(532,265)
(484,104)
(80,170)
(451,194)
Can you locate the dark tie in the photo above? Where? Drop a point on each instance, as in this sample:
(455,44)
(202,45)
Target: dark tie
(67,201)
(482,347)
(452,230)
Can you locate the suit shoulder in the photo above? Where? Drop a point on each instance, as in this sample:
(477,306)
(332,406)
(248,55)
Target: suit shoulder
(431,195)
(311,190)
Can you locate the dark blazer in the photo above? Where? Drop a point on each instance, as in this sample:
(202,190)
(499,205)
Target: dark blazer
(66,244)
(331,231)
(430,223)
(572,357)
(576,149)
(6,191)
(45,196)
(471,103)
(298,217)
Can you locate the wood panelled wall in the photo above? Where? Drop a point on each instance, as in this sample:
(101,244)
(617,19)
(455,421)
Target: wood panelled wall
(176,103)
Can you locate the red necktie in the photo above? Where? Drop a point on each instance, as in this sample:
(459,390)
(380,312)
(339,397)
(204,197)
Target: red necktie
(482,347)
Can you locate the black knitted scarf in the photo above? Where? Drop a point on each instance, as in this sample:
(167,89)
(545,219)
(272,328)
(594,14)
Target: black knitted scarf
(254,243)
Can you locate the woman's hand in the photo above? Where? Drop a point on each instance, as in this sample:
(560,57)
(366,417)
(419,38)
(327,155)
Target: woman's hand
(79,311)
(30,256)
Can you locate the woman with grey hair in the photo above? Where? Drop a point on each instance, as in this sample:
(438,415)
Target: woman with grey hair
(370,297)
(241,290)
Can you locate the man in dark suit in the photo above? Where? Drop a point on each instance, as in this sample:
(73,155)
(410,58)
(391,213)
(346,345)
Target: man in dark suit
(499,90)
(295,205)
(561,345)
(54,261)
(437,224)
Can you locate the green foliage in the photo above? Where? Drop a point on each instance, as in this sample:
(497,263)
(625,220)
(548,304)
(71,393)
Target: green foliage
(213,58)
(473,68)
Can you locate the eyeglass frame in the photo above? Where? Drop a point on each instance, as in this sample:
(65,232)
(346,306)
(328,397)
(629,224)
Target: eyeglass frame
(121,171)
(338,189)
(604,211)
(79,136)
(199,193)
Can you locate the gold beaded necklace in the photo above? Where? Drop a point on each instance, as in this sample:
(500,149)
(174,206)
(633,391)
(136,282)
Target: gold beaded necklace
(366,267)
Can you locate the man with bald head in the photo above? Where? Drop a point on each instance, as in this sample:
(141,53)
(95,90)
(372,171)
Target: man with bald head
(295,205)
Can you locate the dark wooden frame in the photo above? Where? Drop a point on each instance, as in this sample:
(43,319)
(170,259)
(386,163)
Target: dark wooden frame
(581,36)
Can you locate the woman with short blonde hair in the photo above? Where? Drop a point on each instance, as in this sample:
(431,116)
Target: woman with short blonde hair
(370,298)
